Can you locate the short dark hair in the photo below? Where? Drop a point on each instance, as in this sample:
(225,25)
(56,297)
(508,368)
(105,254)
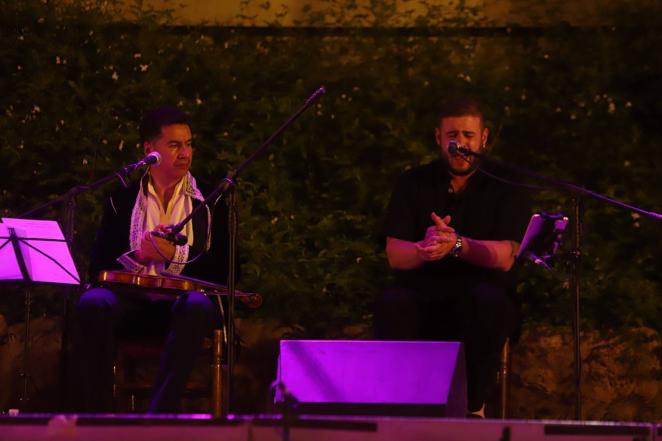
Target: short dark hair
(150,127)
(460,106)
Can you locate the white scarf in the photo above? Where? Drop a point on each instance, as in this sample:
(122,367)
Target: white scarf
(148,213)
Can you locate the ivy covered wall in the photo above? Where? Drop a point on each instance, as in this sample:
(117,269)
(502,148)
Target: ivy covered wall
(581,104)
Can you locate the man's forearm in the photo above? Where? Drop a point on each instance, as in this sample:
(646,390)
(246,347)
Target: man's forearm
(496,254)
(402,254)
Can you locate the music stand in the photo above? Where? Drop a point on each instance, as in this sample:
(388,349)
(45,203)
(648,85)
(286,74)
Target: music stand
(543,238)
(34,252)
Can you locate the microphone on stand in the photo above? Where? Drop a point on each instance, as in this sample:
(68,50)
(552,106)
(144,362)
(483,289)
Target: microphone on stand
(175,238)
(454,148)
(153,158)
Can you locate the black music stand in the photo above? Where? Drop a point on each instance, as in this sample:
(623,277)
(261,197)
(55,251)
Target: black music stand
(542,239)
(34,252)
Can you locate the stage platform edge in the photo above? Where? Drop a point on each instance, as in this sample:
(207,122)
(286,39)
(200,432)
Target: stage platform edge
(201,427)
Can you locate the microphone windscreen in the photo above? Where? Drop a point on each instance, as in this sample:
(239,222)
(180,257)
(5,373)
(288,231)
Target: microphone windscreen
(154,158)
(453,147)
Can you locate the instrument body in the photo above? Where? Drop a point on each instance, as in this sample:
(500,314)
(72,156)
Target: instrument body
(174,285)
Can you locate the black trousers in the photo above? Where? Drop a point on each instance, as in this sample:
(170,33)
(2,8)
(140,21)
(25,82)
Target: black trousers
(481,315)
(102,315)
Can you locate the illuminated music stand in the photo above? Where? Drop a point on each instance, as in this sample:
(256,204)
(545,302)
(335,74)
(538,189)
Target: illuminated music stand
(34,252)
(542,239)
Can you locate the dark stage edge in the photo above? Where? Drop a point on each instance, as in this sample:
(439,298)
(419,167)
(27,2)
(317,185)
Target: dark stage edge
(189,427)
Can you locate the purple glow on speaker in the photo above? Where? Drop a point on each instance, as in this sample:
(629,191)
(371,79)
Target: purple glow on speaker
(396,372)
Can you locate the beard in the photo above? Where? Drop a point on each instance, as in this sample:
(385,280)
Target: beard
(464,171)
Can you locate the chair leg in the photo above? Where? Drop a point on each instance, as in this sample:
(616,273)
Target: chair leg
(118,378)
(115,381)
(504,377)
(216,374)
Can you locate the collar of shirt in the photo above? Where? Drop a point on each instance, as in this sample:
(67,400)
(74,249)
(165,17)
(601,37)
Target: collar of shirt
(169,214)
(177,208)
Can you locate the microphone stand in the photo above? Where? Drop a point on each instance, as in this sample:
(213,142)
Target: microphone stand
(68,200)
(576,255)
(228,185)
(575,286)
(69,197)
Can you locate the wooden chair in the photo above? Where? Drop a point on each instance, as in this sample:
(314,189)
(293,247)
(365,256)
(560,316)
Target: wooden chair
(128,388)
(124,370)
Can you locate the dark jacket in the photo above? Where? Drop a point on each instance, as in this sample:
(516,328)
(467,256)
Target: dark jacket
(112,238)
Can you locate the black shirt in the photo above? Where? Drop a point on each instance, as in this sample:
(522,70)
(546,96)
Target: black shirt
(487,209)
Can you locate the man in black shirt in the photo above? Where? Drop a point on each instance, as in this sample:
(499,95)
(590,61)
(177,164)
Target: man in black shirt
(452,235)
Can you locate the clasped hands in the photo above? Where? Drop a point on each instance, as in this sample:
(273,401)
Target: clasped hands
(439,239)
(155,249)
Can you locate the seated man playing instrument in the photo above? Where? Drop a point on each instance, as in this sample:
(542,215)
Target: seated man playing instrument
(164,195)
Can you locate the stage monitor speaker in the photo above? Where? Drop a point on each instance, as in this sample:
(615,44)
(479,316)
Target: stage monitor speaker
(404,378)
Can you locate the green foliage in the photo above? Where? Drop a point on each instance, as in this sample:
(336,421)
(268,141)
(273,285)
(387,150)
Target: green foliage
(576,103)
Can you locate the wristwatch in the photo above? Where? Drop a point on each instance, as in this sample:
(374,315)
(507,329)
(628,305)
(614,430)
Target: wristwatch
(457,248)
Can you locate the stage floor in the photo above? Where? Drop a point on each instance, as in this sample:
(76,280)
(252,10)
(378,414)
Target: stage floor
(201,427)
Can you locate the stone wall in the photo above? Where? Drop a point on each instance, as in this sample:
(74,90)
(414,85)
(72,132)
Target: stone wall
(43,363)
(622,370)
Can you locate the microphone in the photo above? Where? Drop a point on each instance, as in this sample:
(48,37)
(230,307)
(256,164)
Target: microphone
(153,158)
(454,148)
(175,238)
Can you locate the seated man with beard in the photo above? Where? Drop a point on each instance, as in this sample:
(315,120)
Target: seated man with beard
(452,236)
